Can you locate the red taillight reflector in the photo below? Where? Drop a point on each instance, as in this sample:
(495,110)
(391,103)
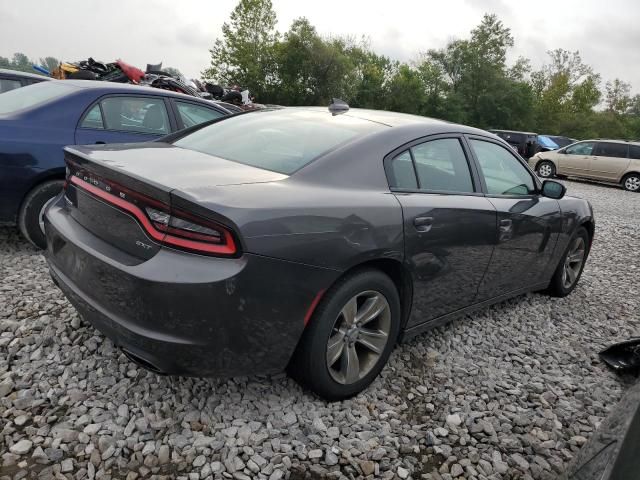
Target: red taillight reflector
(177,232)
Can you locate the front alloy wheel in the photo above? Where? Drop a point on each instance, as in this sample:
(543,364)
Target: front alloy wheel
(569,269)
(359,335)
(546,169)
(573,262)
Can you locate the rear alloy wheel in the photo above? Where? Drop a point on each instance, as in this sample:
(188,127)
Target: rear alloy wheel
(349,337)
(546,169)
(31,216)
(359,335)
(570,268)
(631,182)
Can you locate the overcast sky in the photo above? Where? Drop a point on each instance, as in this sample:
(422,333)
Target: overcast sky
(180,32)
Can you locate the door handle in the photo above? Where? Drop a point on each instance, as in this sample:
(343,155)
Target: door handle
(99,142)
(506,223)
(423,224)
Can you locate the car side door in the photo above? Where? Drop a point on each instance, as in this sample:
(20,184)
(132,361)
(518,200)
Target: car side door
(575,159)
(125,118)
(528,223)
(189,114)
(449,226)
(610,160)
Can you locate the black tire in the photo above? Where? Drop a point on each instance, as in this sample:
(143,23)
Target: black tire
(308,366)
(29,215)
(631,182)
(557,287)
(546,169)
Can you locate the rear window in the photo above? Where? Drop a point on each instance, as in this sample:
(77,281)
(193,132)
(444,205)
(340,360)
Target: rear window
(278,140)
(31,96)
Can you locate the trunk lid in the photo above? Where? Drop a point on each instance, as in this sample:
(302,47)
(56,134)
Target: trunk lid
(119,193)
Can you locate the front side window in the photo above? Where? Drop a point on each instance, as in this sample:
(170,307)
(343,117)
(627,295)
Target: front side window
(192,114)
(136,114)
(583,148)
(605,149)
(503,173)
(442,166)
(634,151)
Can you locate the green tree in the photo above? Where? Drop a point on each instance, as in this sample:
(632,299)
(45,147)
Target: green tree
(618,96)
(245,53)
(50,63)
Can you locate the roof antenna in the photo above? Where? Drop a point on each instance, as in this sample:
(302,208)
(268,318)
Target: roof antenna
(337,106)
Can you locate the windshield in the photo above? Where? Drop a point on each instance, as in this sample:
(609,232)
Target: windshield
(547,142)
(278,140)
(31,96)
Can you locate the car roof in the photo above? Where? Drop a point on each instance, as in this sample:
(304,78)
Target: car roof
(114,87)
(512,131)
(625,142)
(17,73)
(392,119)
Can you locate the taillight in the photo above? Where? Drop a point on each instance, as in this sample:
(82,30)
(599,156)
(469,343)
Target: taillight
(174,228)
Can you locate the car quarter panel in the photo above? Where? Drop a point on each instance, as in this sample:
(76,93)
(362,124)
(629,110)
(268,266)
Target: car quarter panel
(334,228)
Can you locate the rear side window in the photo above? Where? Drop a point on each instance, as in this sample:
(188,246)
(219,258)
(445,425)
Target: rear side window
(281,140)
(503,173)
(402,174)
(192,114)
(634,152)
(605,149)
(7,84)
(32,96)
(135,114)
(442,166)
(93,119)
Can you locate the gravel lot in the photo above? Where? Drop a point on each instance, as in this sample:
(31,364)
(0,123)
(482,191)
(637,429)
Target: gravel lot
(511,392)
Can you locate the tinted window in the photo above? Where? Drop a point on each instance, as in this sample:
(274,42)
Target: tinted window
(634,151)
(136,114)
(93,119)
(547,142)
(192,114)
(32,96)
(6,85)
(441,165)
(402,173)
(604,149)
(583,148)
(279,140)
(503,173)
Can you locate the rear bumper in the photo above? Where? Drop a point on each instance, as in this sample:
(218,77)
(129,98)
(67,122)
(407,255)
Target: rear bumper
(185,314)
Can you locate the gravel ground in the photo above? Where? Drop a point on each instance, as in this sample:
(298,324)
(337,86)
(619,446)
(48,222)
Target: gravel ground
(511,392)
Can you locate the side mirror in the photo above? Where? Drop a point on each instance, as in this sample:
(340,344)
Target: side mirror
(553,189)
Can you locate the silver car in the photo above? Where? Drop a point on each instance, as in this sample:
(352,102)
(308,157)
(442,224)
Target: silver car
(614,161)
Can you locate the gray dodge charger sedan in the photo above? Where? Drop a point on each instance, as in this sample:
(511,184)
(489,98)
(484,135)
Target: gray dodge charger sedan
(305,239)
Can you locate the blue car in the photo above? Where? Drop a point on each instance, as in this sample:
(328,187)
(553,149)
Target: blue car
(37,121)
(12,79)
